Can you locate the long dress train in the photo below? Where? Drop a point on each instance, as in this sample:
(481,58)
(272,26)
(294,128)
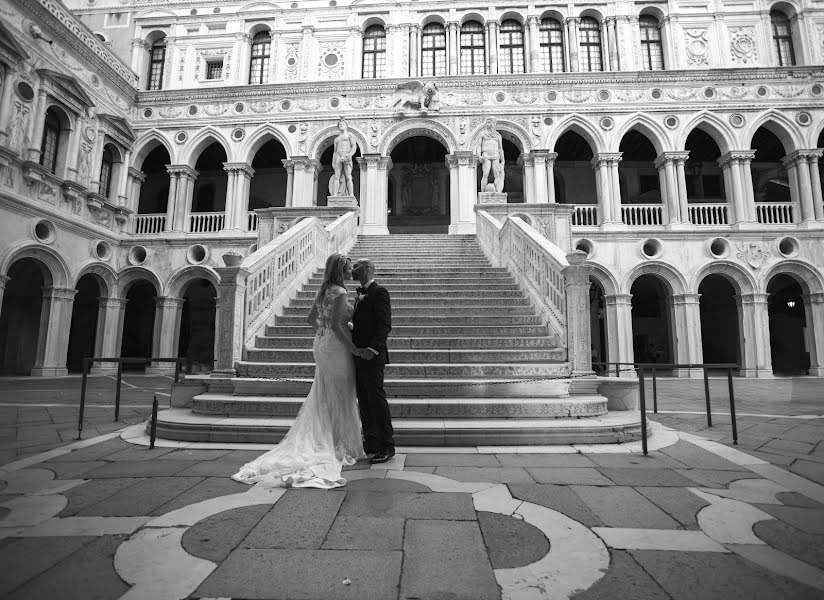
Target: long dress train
(326,434)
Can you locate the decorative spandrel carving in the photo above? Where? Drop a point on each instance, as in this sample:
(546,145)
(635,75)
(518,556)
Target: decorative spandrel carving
(292,62)
(697,47)
(19,127)
(417,96)
(84,164)
(743,45)
(754,254)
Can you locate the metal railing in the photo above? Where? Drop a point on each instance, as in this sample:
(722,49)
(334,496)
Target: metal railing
(87,362)
(641,368)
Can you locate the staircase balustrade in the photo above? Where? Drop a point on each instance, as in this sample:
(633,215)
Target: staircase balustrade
(642,214)
(206,222)
(709,214)
(585,215)
(774,213)
(251,221)
(149,224)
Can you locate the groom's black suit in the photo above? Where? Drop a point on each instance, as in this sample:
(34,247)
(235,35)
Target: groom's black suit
(372,323)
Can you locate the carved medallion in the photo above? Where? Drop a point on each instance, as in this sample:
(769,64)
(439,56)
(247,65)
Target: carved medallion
(754,254)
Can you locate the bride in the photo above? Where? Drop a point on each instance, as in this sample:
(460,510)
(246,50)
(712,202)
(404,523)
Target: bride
(326,434)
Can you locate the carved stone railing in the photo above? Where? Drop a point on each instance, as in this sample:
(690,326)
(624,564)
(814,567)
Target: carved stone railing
(273,222)
(553,221)
(774,213)
(706,213)
(210,222)
(149,224)
(585,215)
(254,290)
(642,214)
(251,221)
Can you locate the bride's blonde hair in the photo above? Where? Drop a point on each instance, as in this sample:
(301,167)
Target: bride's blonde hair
(333,272)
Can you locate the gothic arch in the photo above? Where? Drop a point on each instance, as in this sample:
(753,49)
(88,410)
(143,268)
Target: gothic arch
(510,131)
(779,124)
(604,277)
(580,126)
(55,269)
(65,116)
(807,275)
(202,140)
(178,282)
(669,274)
(131,275)
(713,126)
(646,126)
(413,127)
(741,280)
(258,138)
(147,142)
(323,139)
(105,274)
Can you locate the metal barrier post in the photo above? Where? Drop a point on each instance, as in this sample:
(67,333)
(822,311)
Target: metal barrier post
(117,391)
(643,399)
(732,407)
(617,369)
(654,392)
(84,366)
(154,424)
(707,396)
(177,370)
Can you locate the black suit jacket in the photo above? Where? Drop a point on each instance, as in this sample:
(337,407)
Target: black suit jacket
(372,321)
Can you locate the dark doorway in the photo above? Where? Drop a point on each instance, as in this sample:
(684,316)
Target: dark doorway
(787,326)
(84,322)
(268,186)
(720,339)
(419,194)
(597,327)
(20,317)
(651,320)
(138,322)
(197,327)
(154,192)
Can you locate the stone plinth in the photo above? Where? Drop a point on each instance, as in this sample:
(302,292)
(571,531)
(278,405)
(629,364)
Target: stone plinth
(346,201)
(492,198)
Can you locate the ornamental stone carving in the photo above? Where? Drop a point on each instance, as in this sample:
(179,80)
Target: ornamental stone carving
(414,95)
(697,47)
(753,253)
(743,46)
(292,62)
(19,127)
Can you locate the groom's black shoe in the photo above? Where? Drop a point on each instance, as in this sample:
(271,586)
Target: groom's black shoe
(382,457)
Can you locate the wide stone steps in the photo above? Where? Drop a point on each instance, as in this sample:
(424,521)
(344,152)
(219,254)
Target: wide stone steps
(423,282)
(448,292)
(430,319)
(421,355)
(404,300)
(401,310)
(413,370)
(450,331)
(400,343)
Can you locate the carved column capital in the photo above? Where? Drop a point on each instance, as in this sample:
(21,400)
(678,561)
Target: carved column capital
(605,159)
(182,171)
(239,167)
(162,302)
(58,293)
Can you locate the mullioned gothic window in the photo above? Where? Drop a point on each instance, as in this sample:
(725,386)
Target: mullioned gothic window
(261,52)
(652,52)
(511,57)
(157,58)
(783,38)
(433,50)
(589,34)
(50,142)
(473,49)
(374,52)
(106,167)
(552,45)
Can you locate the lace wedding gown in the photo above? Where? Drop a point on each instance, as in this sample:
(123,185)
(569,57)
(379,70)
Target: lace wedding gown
(326,434)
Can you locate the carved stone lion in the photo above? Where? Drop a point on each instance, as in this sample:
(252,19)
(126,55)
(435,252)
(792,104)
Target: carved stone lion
(414,95)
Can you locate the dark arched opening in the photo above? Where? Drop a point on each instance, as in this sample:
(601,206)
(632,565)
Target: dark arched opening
(769,176)
(788,323)
(197,327)
(20,317)
(83,331)
(597,327)
(573,170)
(154,192)
(421,187)
(138,322)
(651,320)
(638,175)
(704,179)
(326,171)
(210,188)
(720,325)
(268,186)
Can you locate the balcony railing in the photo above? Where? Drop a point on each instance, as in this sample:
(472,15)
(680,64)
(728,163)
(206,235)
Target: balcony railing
(585,214)
(709,214)
(642,214)
(251,221)
(149,224)
(774,213)
(206,222)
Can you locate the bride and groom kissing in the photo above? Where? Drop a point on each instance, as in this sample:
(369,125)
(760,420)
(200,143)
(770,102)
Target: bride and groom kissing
(345,417)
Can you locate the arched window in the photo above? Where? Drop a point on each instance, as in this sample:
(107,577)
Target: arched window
(652,53)
(106,166)
(51,141)
(374,52)
(157,58)
(259,65)
(590,42)
(433,50)
(552,46)
(511,58)
(473,49)
(782,34)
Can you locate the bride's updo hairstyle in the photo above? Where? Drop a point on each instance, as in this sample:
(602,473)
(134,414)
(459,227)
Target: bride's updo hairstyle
(333,273)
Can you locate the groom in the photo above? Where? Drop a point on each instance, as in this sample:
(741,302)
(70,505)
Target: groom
(371,323)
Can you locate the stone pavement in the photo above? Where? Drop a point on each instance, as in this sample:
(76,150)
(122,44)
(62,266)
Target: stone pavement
(698,518)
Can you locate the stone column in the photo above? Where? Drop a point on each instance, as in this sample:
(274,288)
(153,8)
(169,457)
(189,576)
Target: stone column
(754,335)
(306,50)
(6,102)
(166,334)
(454,191)
(373,200)
(356,41)
(303,181)
(669,199)
(414,49)
(798,169)
(572,43)
(673,188)
(606,55)
(619,331)
(813,158)
(186,177)
(109,334)
(579,336)
(171,202)
(814,307)
(539,158)
(229,326)
(683,201)
(237,195)
(55,327)
(686,332)
(492,67)
(36,126)
(454,46)
(135,182)
(463,222)
(612,25)
(243,49)
(527,164)
(274,55)
(605,165)
(550,177)
(732,169)
(140,49)
(290,177)
(534,45)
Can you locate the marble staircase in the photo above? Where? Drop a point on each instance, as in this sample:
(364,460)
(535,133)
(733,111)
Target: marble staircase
(472,363)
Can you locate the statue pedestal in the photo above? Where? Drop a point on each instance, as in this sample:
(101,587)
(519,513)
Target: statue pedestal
(491,197)
(349,201)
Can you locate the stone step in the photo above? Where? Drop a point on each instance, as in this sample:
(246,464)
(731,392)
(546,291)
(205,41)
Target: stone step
(414,370)
(400,330)
(551,407)
(421,282)
(420,308)
(433,319)
(400,343)
(445,272)
(408,291)
(433,300)
(422,355)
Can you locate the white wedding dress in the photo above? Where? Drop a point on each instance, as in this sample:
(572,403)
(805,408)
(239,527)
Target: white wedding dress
(326,434)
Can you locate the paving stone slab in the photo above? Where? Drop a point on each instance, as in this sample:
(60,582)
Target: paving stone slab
(446,559)
(797,542)
(211,487)
(25,558)
(574,475)
(215,537)
(220,467)
(698,458)
(287,525)
(95,452)
(679,503)
(87,574)
(810,520)
(71,470)
(811,435)
(810,470)
(274,574)
(559,498)
(620,506)
(796,499)
(545,460)
(139,468)
(715,478)
(793,446)
(654,460)
(196,455)
(94,491)
(408,505)
(511,542)
(624,579)
(452,460)
(365,533)
(385,485)
(646,477)
(139,453)
(141,498)
(486,474)
(714,576)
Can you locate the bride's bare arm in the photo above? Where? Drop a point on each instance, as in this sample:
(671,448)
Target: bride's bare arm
(337,324)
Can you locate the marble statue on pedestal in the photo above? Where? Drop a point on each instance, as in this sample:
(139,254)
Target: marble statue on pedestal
(345,146)
(491,155)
